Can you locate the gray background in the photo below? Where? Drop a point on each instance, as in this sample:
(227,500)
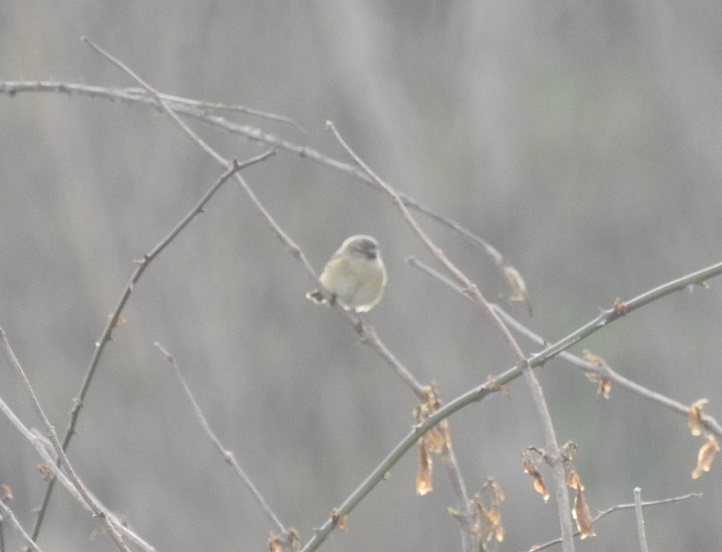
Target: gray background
(581,139)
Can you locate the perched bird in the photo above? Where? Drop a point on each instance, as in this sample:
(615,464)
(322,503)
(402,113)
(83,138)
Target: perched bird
(355,275)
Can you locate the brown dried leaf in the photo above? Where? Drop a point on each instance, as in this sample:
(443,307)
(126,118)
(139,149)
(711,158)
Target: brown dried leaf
(435,440)
(275,544)
(541,488)
(573,481)
(7,493)
(339,520)
(706,456)
(592,358)
(280,543)
(492,516)
(294,538)
(695,417)
(495,492)
(487,524)
(570,448)
(424,483)
(530,468)
(605,384)
(605,387)
(580,513)
(518,287)
(499,533)
(46,472)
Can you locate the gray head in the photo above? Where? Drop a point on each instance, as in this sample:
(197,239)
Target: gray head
(361,245)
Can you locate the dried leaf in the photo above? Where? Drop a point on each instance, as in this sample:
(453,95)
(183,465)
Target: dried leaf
(435,440)
(580,513)
(275,544)
(339,520)
(570,448)
(530,468)
(541,488)
(423,475)
(280,544)
(619,306)
(592,358)
(46,472)
(695,417)
(7,493)
(605,387)
(436,437)
(538,482)
(573,481)
(294,538)
(487,524)
(605,384)
(518,287)
(495,492)
(706,456)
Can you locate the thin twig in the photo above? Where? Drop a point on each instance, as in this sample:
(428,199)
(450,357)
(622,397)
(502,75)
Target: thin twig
(7,514)
(370,338)
(621,308)
(378,474)
(123,67)
(555,460)
(53,436)
(641,533)
(492,386)
(130,95)
(455,273)
(555,349)
(554,452)
(366,334)
(106,335)
(44,448)
(618,508)
(459,486)
(606,371)
(227,454)
(218,106)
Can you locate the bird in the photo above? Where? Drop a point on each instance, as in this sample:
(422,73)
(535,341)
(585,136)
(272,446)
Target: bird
(355,275)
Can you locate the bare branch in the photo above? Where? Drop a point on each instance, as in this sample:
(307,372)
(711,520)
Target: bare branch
(62,458)
(227,454)
(217,106)
(106,335)
(45,450)
(640,520)
(618,508)
(8,514)
(131,95)
(457,274)
(556,460)
(675,285)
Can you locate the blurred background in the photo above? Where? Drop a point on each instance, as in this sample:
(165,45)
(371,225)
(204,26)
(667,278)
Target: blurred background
(581,139)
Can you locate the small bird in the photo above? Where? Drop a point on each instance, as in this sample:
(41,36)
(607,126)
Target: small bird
(355,275)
